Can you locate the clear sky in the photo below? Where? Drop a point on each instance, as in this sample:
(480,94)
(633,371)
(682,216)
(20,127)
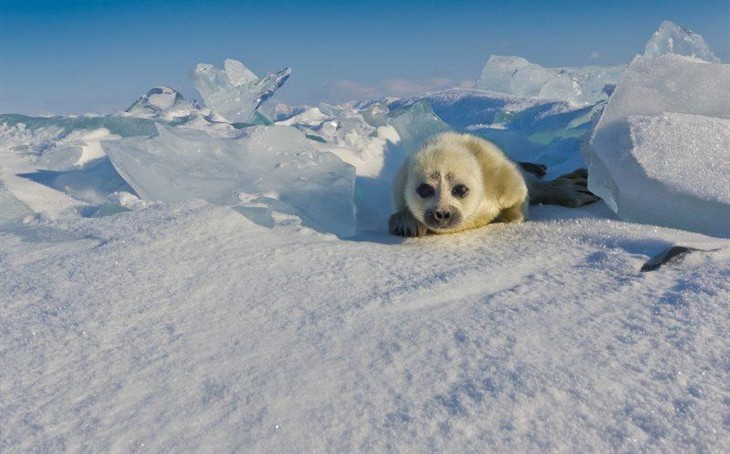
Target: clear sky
(99,56)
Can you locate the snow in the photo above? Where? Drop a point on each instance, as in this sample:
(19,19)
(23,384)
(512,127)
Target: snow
(687,153)
(645,169)
(185,327)
(175,281)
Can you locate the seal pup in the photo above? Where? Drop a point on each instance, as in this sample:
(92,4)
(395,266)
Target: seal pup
(456,182)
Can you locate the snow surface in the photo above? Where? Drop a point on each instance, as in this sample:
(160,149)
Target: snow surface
(185,327)
(133,318)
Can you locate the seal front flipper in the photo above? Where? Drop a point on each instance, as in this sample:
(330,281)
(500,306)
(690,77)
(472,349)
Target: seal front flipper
(404,224)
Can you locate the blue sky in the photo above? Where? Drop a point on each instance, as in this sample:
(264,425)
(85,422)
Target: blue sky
(99,56)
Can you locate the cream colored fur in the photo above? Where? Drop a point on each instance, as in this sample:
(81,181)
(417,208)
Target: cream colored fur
(498,190)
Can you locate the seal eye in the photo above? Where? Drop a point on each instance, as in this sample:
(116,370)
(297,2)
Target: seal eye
(425,190)
(460,191)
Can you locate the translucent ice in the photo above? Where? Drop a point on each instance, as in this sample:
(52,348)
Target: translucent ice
(267,168)
(375,114)
(670,38)
(235,91)
(13,210)
(517,76)
(415,124)
(647,162)
(124,126)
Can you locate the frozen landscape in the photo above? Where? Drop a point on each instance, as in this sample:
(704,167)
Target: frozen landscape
(217,276)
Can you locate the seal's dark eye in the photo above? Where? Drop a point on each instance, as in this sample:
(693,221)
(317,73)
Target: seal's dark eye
(460,191)
(425,190)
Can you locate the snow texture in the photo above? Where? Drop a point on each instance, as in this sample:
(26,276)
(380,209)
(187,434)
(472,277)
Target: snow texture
(688,154)
(644,169)
(185,327)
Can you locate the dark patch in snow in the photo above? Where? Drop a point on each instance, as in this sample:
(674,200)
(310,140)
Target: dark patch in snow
(673,255)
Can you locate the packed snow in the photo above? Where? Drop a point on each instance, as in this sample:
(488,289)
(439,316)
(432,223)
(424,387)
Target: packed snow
(219,278)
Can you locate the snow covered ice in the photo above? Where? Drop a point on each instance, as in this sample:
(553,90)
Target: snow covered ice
(650,170)
(205,305)
(235,91)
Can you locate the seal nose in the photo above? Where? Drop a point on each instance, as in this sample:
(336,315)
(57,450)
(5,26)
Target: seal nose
(442,215)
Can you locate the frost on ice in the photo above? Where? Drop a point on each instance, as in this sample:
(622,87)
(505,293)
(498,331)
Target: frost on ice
(235,91)
(267,168)
(654,145)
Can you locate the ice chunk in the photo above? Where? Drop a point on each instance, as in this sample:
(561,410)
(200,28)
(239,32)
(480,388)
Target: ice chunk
(415,124)
(92,183)
(66,159)
(648,169)
(349,128)
(375,114)
(235,91)
(517,76)
(272,167)
(163,103)
(13,210)
(670,38)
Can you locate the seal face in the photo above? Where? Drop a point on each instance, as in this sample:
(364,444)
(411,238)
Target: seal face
(444,187)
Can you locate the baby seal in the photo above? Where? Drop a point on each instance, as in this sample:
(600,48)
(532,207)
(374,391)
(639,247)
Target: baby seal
(456,182)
